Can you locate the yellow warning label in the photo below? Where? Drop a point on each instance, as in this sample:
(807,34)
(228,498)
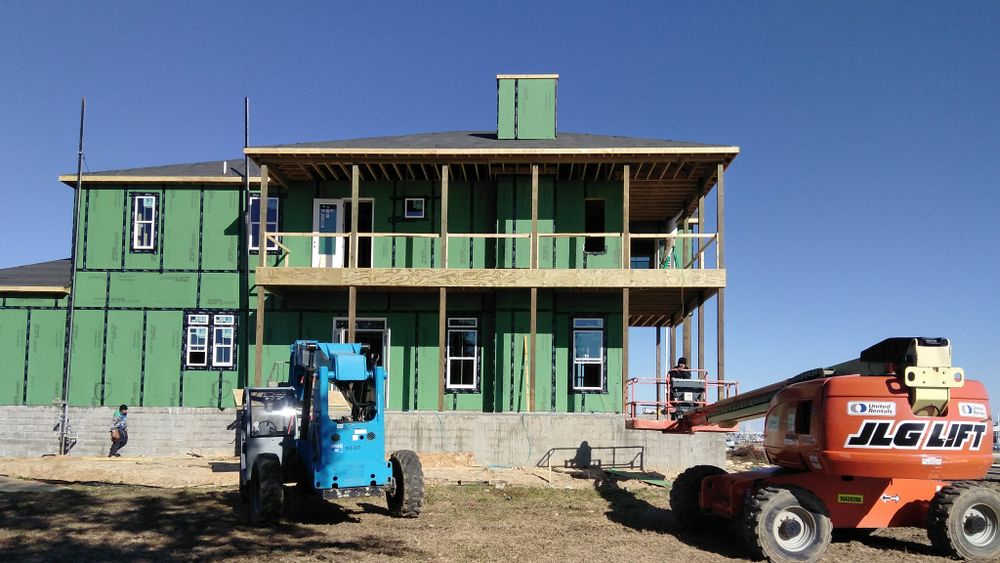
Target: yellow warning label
(850,499)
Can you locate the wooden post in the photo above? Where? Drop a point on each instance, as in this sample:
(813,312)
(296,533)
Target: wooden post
(352,313)
(672,345)
(529,371)
(534,219)
(701,306)
(442,344)
(355,193)
(625,309)
(721,318)
(262,209)
(626,242)
(660,389)
(444,215)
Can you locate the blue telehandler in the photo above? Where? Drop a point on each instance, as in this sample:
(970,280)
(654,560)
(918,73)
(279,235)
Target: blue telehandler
(323,431)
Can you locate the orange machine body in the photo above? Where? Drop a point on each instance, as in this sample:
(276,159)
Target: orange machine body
(855,442)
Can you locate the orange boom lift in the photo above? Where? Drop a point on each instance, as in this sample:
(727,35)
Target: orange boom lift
(897,437)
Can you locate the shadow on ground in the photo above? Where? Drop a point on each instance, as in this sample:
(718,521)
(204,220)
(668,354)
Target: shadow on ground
(133,523)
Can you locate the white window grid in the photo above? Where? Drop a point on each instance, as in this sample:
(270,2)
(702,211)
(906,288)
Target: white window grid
(586,327)
(463,325)
(143,222)
(197,341)
(254,226)
(222,346)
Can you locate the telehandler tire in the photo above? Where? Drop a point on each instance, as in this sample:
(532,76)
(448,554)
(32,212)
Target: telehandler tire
(266,492)
(685,497)
(786,524)
(964,521)
(406,497)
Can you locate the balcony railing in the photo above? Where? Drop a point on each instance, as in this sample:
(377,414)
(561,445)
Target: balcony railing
(703,251)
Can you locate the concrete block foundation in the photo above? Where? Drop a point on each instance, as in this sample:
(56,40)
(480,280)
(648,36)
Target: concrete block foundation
(495,439)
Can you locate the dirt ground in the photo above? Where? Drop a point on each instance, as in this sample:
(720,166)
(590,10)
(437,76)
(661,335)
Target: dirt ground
(194,513)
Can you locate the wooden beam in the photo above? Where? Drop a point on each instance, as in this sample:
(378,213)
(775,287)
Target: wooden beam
(291,277)
(529,371)
(625,310)
(442,344)
(626,241)
(352,314)
(720,206)
(720,340)
(34,289)
(534,217)
(444,216)
(355,192)
(258,355)
(661,390)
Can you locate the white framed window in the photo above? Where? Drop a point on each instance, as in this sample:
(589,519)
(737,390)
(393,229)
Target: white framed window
(414,208)
(588,355)
(253,223)
(463,354)
(196,351)
(209,341)
(222,346)
(144,222)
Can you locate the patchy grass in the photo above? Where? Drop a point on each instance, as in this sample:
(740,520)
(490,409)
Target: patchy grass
(472,523)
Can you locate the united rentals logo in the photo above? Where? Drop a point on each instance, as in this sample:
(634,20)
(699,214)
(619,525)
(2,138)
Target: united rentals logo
(972,410)
(871,408)
(917,434)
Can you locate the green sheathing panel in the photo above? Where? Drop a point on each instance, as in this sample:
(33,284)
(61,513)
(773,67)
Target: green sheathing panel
(152,289)
(416,252)
(569,200)
(180,220)
(13,333)
(220,229)
(164,335)
(426,355)
(45,356)
(607,306)
(220,291)
(536,108)
(105,217)
(142,260)
(122,373)
(88,347)
(384,217)
(505,108)
(513,215)
(91,289)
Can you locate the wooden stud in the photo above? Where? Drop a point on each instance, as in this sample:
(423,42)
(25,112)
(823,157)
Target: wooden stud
(533,351)
(355,192)
(534,216)
(352,313)
(625,310)
(626,241)
(442,344)
(661,389)
(672,345)
(262,253)
(444,216)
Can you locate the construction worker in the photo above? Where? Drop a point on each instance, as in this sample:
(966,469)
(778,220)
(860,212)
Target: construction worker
(681,370)
(119,431)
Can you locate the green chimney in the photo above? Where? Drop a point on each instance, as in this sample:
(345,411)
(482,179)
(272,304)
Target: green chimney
(526,106)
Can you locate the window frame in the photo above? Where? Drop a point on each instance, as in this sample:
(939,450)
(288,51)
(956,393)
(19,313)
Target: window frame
(153,223)
(210,323)
(272,247)
(456,325)
(588,325)
(406,208)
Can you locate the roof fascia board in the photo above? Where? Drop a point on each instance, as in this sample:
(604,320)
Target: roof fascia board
(70,179)
(307,151)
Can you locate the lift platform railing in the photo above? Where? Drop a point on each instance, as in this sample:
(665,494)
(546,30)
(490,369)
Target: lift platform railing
(654,398)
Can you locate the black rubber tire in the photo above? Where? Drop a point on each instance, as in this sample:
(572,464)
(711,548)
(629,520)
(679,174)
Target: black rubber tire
(685,497)
(953,517)
(798,508)
(244,490)
(266,492)
(406,497)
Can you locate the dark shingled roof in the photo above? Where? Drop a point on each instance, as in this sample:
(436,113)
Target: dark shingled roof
(44,274)
(488,140)
(222,168)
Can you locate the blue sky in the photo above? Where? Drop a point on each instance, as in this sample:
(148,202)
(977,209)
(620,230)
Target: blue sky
(864,203)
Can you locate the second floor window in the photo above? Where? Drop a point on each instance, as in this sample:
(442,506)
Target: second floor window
(144,222)
(463,354)
(588,355)
(253,236)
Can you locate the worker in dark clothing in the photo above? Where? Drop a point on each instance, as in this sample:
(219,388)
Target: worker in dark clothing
(119,431)
(681,370)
